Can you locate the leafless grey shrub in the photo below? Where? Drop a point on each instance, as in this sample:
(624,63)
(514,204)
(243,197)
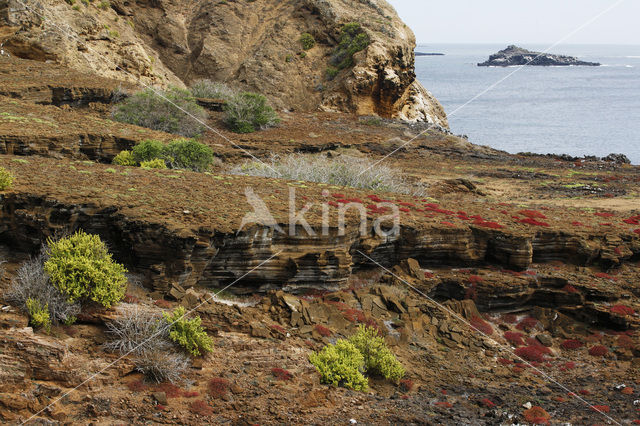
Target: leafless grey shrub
(212,90)
(138,330)
(32,282)
(162,366)
(355,172)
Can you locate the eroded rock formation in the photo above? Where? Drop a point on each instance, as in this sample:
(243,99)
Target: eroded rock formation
(251,45)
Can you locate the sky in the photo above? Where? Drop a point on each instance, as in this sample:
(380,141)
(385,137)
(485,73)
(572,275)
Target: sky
(521,21)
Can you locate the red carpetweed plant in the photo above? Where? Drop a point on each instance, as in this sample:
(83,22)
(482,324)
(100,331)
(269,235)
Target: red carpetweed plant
(569,289)
(622,310)
(281,374)
(164,304)
(278,328)
(533,214)
(601,408)
(481,325)
(536,415)
(201,408)
(510,318)
(160,407)
(406,385)
(171,390)
(534,222)
(487,403)
(584,392)
(505,361)
(571,344)
(444,404)
(218,387)
(137,386)
(475,279)
(128,298)
(625,342)
(527,324)
(322,330)
(514,338)
(598,350)
(604,214)
(190,394)
(603,275)
(354,315)
(530,353)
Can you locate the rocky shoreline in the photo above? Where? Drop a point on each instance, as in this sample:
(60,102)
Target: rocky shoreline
(516,56)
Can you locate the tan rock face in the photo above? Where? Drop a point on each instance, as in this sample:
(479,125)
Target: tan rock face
(252,45)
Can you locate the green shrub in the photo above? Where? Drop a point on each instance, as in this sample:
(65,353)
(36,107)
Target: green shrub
(340,365)
(188,333)
(39,314)
(353,39)
(6,179)
(81,267)
(188,154)
(248,112)
(212,90)
(172,111)
(104,5)
(124,158)
(307,41)
(147,150)
(332,72)
(378,358)
(154,164)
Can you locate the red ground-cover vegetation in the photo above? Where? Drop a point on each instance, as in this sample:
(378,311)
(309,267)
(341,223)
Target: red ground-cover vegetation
(533,214)
(281,374)
(527,324)
(218,387)
(201,408)
(137,386)
(536,415)
(171,390)
(531,353)
(570,344)
(487,403)
(515,338)
(322,330)
(598,350)
(481,325)
(406,385)
(622,310)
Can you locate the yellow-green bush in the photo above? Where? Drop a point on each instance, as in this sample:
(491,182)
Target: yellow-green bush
(124,158)
(307,41)
(81,267)
(340,365)
(39,314)
(378,358)
(188,333)
(6,179)
(154,164)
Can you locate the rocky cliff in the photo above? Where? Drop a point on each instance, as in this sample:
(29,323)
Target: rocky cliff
(252,45)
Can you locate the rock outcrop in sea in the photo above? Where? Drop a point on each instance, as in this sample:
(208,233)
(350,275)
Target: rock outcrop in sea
(515,56)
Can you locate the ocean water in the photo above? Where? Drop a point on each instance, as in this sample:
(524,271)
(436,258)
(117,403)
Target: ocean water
(561,110)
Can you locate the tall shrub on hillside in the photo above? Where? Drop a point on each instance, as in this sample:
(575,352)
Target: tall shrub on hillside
(172,111)
(248,112)
(81,267)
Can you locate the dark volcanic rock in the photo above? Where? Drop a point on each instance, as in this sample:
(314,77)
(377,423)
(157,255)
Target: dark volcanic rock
(514,55)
